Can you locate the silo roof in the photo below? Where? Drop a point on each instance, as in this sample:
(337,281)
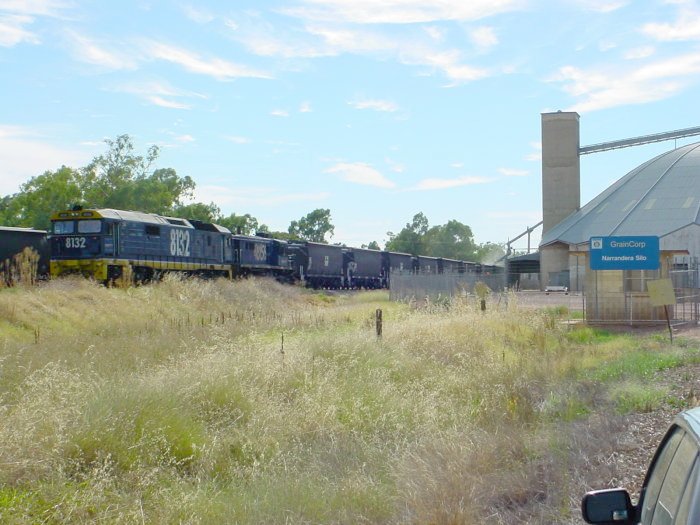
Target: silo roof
(657,198)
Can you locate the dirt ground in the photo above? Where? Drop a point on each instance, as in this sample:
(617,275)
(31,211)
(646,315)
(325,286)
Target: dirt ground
(573,301)
(629,446)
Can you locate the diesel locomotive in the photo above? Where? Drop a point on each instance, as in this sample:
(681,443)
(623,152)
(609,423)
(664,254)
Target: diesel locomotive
(107,244)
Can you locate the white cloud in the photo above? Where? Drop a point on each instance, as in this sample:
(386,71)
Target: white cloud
(36,7)
(185,138)
(160,94)
(86,50)
(639,53)
(26,154)
(284,143)
(376,105)
(484,38)
(165,103)
(400,12)
(457,165)
(264,41)
(17,14)
(305,107)
(12,31)
(242,197)
(602,6)
(449,62)
(238,140)
(361,173)
(336,40)
(534,216)
(395,166)
(325,41)
(279,113)
(537,154)
(442,184)
(446,61)
(509,172)
(435,32)
(606,45)
(214,67)
(197,15)
(686,27)
(611,87)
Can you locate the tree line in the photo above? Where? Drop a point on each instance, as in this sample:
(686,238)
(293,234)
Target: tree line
(123,180)
(452,240)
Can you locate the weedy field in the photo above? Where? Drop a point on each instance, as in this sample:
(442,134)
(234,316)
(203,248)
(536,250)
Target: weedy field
(252,402)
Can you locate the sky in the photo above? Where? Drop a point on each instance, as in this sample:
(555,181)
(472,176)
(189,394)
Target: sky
(374,109)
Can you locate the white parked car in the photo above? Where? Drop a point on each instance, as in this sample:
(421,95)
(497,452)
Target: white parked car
(671,491)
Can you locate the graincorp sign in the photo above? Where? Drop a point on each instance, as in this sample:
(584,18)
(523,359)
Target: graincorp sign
(624,253)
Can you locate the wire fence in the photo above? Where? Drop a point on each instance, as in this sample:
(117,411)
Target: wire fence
(407,286)
(626,300)
(609,299)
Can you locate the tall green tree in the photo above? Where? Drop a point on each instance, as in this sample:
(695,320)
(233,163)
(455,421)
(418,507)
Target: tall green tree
(314,226)
(373,245)
(162,191)
(244,224)
(198,211)
(119,179)
(453,240)
(40,197)
(489,252)
(284,236)
(411,238)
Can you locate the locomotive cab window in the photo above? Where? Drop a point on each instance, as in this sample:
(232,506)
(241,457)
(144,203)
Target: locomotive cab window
(63,227)
(89,226)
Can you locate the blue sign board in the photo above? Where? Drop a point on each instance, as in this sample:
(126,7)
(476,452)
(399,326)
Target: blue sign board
(624,253)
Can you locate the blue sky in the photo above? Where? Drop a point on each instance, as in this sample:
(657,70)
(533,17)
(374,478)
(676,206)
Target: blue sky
(376,109)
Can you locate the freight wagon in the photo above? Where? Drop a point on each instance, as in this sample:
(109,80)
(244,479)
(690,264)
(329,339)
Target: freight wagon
(14,240)
(365,268)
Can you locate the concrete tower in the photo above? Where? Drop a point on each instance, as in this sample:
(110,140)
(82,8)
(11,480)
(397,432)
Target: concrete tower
(561,188)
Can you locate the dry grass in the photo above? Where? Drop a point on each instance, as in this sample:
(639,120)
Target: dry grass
(251,402)
(21,269)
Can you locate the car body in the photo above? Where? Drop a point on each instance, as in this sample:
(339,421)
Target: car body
(671,490)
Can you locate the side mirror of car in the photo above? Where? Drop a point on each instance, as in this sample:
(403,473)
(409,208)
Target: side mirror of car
(608,507)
